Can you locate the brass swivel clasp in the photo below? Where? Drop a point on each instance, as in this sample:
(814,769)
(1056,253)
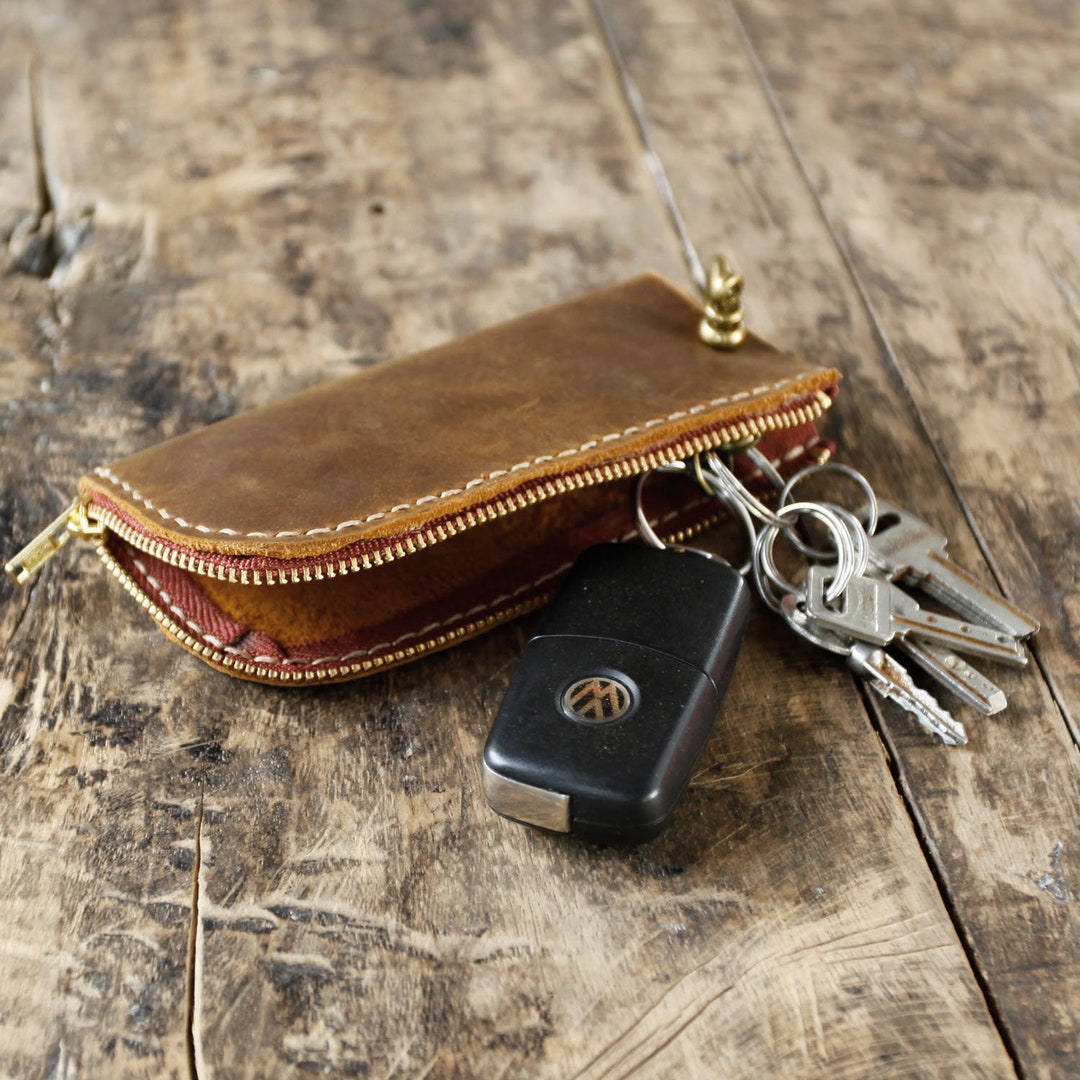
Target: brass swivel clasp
(721,323)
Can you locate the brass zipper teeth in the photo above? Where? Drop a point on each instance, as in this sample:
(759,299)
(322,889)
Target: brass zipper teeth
(316,673)
(398,548)
(310,673)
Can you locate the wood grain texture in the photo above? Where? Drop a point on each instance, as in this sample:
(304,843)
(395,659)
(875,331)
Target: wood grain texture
(992,815)
(206,877)
(958,214)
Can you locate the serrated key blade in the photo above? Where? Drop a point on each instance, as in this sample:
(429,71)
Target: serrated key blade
(954,673)
(890,679)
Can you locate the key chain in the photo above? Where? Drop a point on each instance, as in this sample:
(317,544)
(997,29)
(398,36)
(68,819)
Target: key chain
(617,694)
(873,611)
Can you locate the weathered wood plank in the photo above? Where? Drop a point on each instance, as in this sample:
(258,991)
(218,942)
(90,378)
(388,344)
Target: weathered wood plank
(992,814)
(94,883)
(273,198)
(960,219)
(506,952)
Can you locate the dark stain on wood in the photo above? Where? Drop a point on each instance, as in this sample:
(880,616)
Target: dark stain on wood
(118,723)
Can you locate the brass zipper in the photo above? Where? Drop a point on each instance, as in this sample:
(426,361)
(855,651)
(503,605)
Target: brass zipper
(313,672)
(88,519)
(74,521)
(310,673)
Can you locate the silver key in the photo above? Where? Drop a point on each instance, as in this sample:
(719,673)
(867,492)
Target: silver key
(879,612)
(876,603)
(955,673)
(967,638)
(887,676)
(905,547)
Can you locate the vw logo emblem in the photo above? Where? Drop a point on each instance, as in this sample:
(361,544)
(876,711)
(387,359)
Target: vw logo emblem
(597,699)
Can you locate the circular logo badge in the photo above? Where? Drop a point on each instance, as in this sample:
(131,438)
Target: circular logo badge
(597,699)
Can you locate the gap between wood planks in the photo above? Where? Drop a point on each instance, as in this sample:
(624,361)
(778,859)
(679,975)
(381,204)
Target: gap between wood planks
(195,953)
(891,357)
(634,104)
(922,835)
(41,258)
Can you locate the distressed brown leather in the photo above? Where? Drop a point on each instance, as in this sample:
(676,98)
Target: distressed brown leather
(547,415)
(604,376)
(535,545)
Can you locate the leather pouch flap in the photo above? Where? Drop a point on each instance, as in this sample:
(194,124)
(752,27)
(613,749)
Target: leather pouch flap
(508,413)
(358,500)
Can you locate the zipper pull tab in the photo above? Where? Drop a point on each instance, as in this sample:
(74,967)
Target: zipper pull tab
(74,521)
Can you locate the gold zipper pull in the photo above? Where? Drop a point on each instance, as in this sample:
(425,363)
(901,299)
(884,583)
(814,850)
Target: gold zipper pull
(74,521)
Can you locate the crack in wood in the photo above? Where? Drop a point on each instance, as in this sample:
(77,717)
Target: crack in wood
(36,246)
(46,204)
(192,1032)
(921,828)
(43,243)
(1067,718)
(24,610)
(635,106)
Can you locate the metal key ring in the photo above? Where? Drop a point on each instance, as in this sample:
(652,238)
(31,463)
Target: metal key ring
(725,485)
(860,540)
(855,530)
(852,474)
(650,536)
(847,558)
(765,467)
(720,481)
(771,595)
(644,526)
(849,561)
(743,515)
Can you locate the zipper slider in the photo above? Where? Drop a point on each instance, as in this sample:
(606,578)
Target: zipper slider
(74,521)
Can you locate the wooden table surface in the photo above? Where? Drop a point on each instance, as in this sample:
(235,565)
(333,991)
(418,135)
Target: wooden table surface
(207,206)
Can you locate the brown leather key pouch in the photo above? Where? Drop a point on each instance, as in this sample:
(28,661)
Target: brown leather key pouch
(370,520)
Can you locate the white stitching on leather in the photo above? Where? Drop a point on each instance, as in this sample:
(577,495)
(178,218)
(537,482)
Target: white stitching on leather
(232,650)
(682,414)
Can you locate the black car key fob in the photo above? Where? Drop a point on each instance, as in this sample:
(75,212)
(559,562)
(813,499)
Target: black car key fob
(616,696)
